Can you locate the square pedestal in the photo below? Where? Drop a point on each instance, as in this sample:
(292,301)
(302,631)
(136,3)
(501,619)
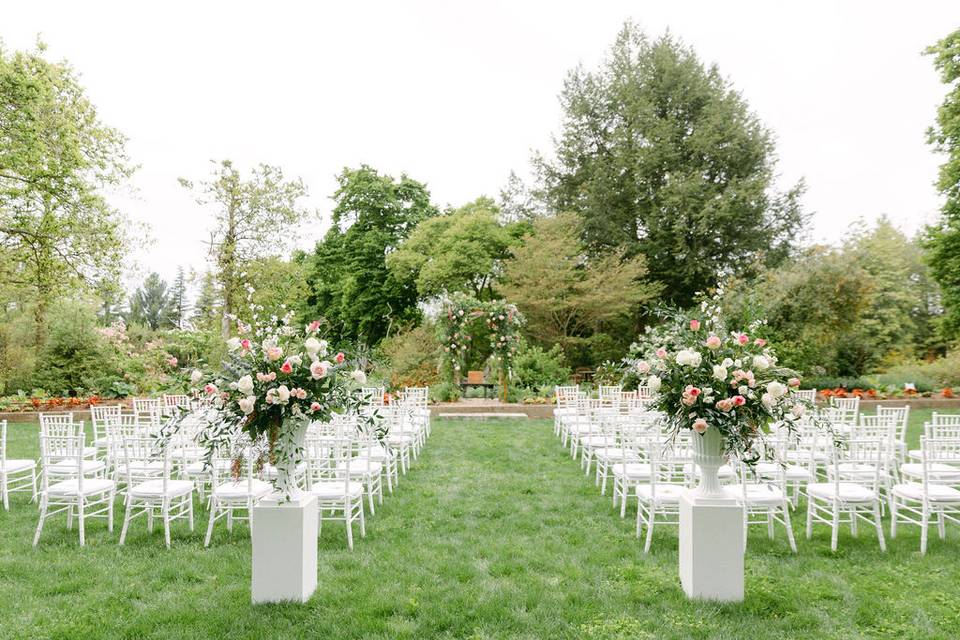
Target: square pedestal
(711,548)
(284,549)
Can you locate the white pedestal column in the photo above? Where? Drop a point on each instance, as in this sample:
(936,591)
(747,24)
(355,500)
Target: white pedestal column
(711,548)
(284,549)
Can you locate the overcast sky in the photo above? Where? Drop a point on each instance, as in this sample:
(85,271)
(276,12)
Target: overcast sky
(458,94)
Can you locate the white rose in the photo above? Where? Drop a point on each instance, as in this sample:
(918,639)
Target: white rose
(312,345)
(643,367)
(743,390)
(727,363)
(196,376)
(760,363)
(323,348)
(295,360)
(797,410)
(245,385)
(233,344)
(246,404)
(283,394)
(767,400)
(359,376)
(689,358)
(777,389)
(654,383)
(318,369)
(719,372)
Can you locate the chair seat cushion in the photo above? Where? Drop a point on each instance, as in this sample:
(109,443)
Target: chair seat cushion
(91,486)
(632,470)
(849,492)
(334,489)
(141,468)
(792,472)
(16,466)
(270,471)
(154,488)
(69,467)
(936,471)
(756,493)
(358,467)
(664,494)
(935,492)
(239,489)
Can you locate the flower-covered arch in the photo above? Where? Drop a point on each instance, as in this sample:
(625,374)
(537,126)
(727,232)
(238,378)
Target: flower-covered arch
(460,312)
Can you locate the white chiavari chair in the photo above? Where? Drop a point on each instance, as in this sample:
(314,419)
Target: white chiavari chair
(236,489)
(16,475)
(935,498)
(329,479)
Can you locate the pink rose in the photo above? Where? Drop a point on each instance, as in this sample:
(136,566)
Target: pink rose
(267,377)
(172,362)
(724,405)
(210,388)
(694,325)
(315,406)
(794,382)
(760,342)
(739,401)
(274,353)
(299,393)
(661,353)
(743,339)
(319,369)
(692,390)
(700,425)
(713,342)
(339,358)
(286,367)
(245,343)
(313,326)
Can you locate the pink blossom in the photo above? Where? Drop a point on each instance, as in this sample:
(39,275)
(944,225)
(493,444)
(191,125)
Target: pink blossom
(661,353)
(210,388)
(313,326)
(274,353)
(760,342)
(692,390)
(743,339)
(739,401)
(267,377)
(724,405)
(694,325)
(315,406)
(713,342)
(299,393)
(245,343)
(172,362)
(339,358)
(700,425)
(286,367)
(794,382)
(319,369)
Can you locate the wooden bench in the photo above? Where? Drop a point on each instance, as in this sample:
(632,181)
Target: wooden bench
(476,379)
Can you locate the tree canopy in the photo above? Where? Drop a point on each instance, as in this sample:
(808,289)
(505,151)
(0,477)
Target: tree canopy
(659,156)
(348,279)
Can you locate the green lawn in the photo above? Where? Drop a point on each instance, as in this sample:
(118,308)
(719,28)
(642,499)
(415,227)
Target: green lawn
(495,533)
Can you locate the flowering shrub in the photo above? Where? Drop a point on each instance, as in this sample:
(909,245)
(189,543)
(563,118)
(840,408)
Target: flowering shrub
(708,378)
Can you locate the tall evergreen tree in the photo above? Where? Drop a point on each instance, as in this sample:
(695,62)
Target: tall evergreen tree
(350,284)
(943,238)
(180,305)
(659,156)
(151,305)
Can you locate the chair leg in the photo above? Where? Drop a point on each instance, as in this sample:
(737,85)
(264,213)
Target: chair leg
(348,517)
(941,526)
(126,519)
(893,517)
(879,525)
(924,525)
(110,499)
(835,527)
(651,518)
(363,525)
(165,512)
(190,512)
(789,527)
(43,516)
(4,492)
(81,517)
(213,516)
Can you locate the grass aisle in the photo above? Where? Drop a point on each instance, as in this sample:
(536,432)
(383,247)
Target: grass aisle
(494,534)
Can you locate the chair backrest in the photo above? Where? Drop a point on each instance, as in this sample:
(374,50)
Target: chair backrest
(177,400)
(100,415)
(373,396)
(55,420)
(668,465)
(899,417)
(941,431)
(239,463)
(329,454)
(62,448)
(848,409)
(937,451)
(809,395)
(148,411)
(945,419)
(874,452)
(140,453)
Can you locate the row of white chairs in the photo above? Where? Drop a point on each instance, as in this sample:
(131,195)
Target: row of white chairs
(847,484)
(81,478)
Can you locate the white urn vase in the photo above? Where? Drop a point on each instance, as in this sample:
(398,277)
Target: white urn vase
(708,456)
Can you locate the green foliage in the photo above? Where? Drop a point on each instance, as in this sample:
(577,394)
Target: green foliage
(445,391)
(939,373)
(251,221)
(659,156)
(568,297)
(457,328)
(460,251)
(56,229)
(349,282)
(151,304)
(534,367)
(943,238)
(409,358)
(179,304)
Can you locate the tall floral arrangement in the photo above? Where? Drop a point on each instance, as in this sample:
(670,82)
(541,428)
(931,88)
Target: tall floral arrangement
(275,379)
(707,377)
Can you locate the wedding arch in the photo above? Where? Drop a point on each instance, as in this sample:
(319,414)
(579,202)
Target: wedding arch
(461,315)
